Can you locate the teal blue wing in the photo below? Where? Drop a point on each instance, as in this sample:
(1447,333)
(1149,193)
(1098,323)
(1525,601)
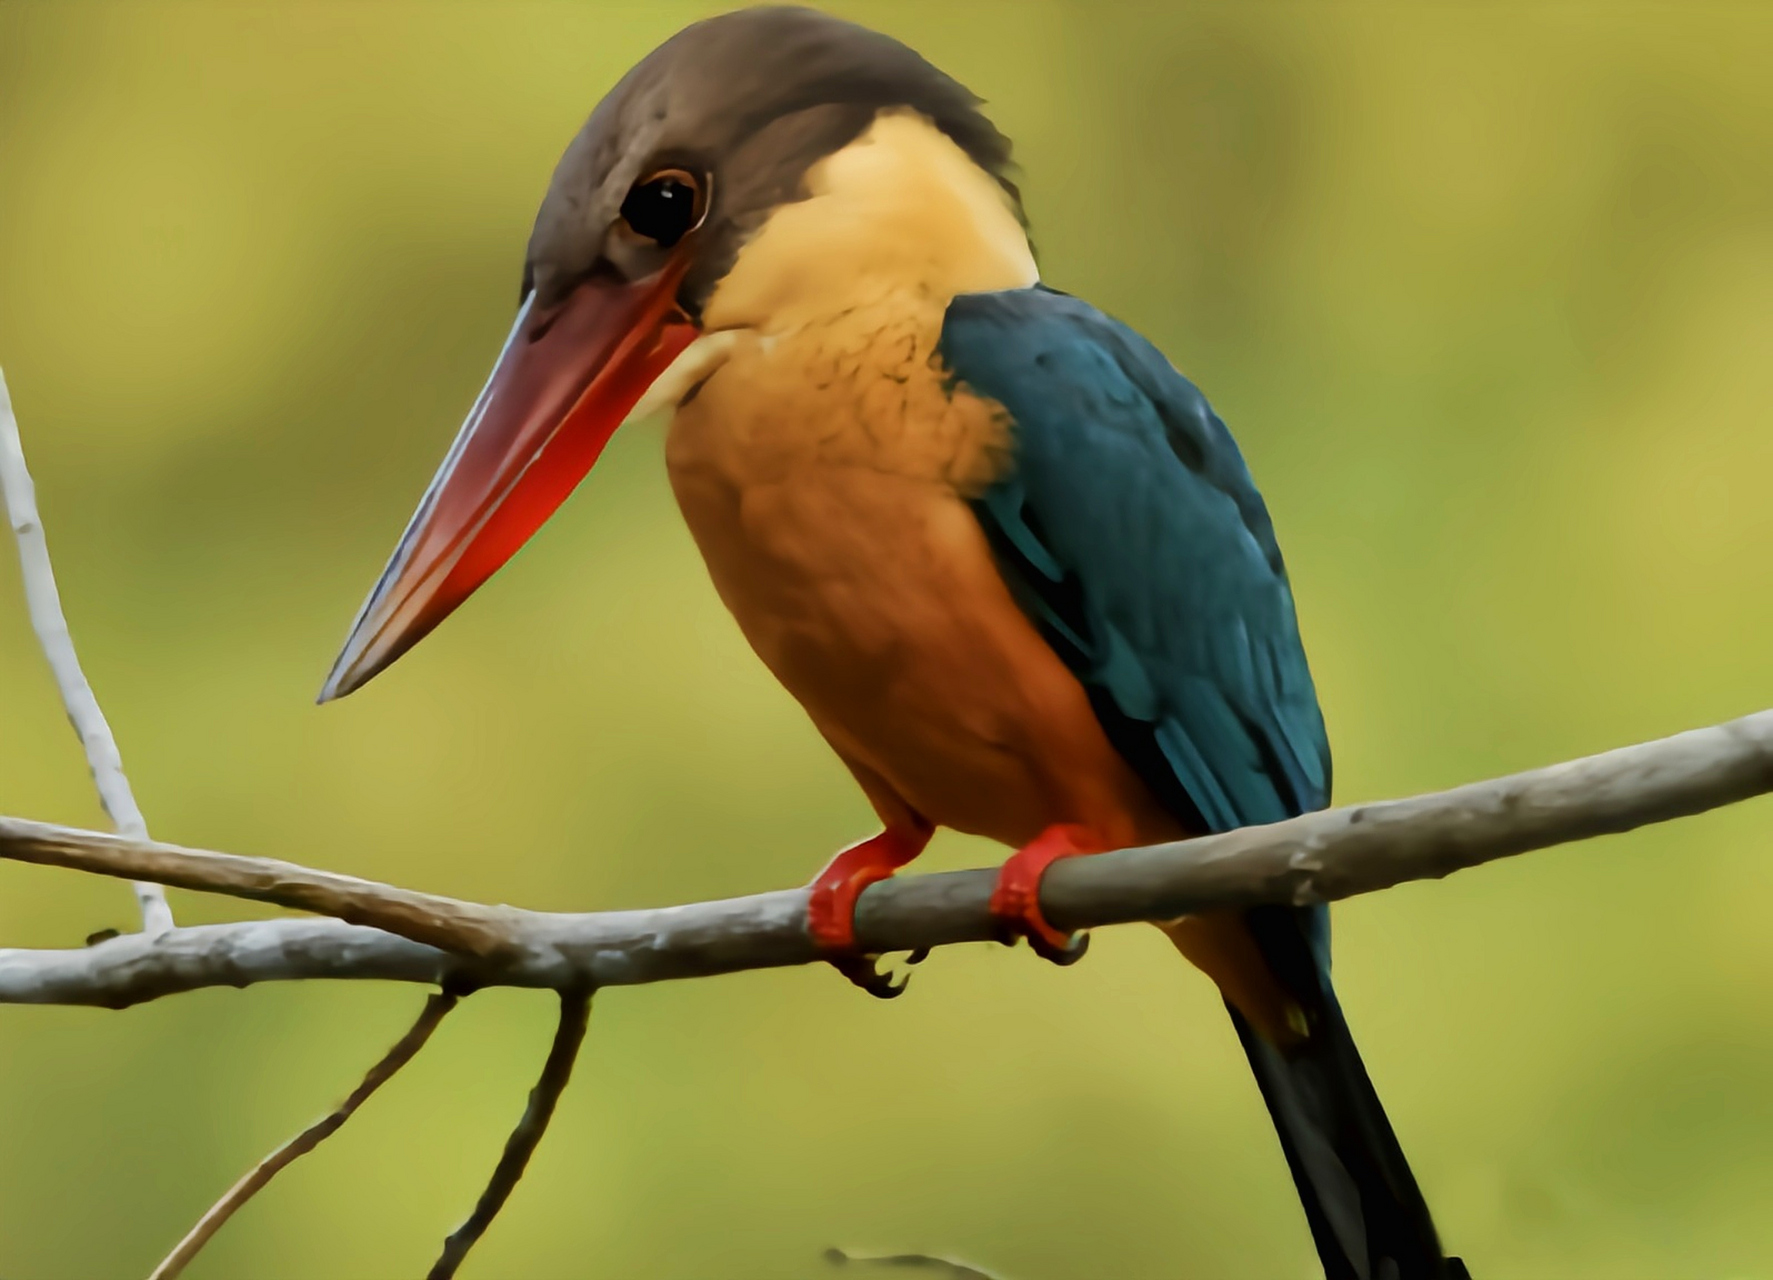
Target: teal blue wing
(1131,533)
(1130,530)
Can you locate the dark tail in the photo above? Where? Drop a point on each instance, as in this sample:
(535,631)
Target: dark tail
(1367,1215)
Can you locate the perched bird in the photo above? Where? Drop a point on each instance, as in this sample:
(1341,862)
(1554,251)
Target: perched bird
(1007,558)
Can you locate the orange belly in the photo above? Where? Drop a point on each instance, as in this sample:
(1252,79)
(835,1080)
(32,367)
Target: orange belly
(875,600)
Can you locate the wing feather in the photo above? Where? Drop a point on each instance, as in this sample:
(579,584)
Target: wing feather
(1130,530)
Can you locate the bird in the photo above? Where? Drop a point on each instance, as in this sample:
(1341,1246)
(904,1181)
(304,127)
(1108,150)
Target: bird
(1007,558)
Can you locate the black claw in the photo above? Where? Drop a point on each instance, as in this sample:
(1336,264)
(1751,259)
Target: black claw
(866,974)
(918,957)
(1073,952)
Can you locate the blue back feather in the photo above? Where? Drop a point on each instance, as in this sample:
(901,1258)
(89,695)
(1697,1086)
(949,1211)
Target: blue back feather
(1130,530)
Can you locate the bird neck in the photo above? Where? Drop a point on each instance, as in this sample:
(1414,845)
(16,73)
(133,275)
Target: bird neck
(901,214)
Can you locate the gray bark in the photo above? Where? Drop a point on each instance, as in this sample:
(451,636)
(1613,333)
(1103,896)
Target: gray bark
(390,933)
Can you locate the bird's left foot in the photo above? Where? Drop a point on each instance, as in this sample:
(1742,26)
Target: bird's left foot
(1015,903)
(831,906)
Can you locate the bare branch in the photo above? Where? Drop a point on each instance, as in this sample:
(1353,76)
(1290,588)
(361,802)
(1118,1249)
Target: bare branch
(255,1180)
(51,625)
(467,927)
(569,1035)
(1318,857)
(129,970)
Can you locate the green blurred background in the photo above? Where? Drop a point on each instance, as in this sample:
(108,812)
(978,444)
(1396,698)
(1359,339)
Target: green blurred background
(1485,292)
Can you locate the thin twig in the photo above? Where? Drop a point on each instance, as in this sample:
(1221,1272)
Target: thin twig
(51,625)
(569,1035)
(1319,857)
(912,1261)
(255,1180)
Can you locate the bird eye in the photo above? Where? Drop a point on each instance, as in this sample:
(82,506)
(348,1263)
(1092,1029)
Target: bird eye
(665,207)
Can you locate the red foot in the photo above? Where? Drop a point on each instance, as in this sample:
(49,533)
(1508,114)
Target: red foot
(1016,901)
(831,908)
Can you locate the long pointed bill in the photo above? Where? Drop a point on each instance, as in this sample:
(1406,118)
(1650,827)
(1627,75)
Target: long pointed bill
(564,382)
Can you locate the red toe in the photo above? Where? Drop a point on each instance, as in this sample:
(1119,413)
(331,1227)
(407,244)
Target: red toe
(1016,900)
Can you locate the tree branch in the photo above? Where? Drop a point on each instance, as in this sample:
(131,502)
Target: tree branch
(44,603)
(259,1176)
(1318,857)
(466,927)
(569,1035)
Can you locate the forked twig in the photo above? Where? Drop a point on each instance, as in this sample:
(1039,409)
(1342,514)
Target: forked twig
(403,1052)
(569,1035)
(51,625)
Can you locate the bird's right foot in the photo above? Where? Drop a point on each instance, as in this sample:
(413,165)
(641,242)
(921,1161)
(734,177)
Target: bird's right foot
(1015,903)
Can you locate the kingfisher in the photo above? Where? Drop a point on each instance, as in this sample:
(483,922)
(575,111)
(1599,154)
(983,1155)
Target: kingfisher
(1007,558)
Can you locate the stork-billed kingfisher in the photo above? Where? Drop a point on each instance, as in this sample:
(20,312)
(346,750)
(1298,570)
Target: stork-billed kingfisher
(1008,559)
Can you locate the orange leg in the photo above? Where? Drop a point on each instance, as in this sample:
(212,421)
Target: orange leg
(831,906)
(1016,901)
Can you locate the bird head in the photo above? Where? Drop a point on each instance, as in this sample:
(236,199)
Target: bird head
(649,254)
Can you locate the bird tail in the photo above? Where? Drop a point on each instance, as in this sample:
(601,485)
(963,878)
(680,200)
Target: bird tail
(1367,1215)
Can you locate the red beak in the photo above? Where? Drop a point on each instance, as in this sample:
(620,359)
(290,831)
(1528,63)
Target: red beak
(565,381)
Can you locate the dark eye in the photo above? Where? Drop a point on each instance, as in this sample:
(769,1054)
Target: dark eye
(664,208)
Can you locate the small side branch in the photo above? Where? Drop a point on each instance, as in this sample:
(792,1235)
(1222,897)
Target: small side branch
(569,1035)
(256,1179)
(44,602)
(447,923)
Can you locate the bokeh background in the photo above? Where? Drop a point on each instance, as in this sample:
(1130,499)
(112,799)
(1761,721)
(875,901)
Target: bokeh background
(1485,292)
